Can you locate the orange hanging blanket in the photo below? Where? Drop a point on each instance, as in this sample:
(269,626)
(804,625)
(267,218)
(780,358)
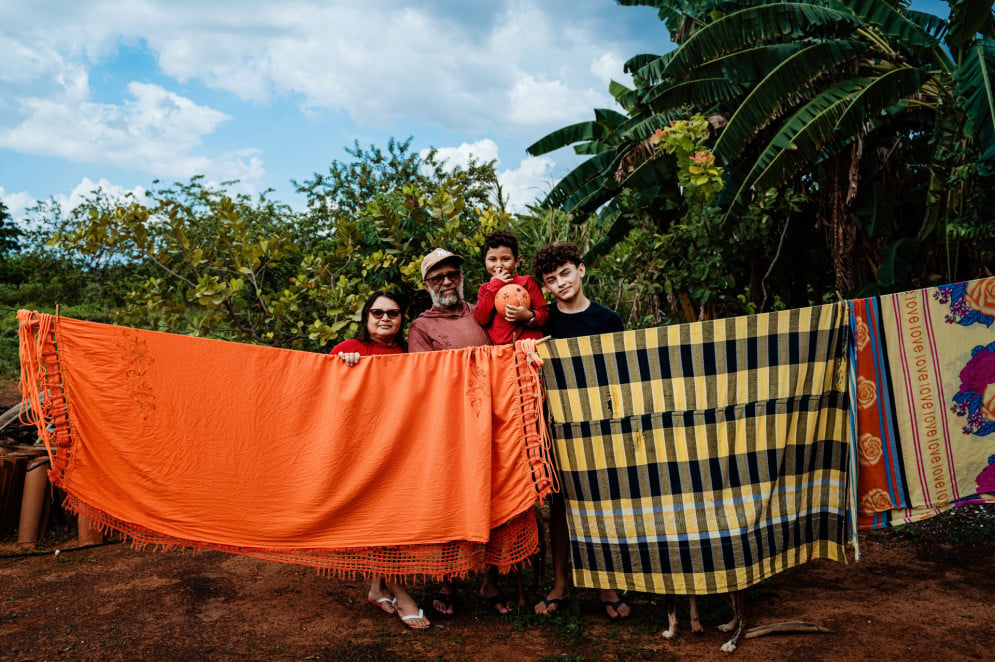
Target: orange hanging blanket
(401,465)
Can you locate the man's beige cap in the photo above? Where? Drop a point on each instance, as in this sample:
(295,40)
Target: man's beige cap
(435,257)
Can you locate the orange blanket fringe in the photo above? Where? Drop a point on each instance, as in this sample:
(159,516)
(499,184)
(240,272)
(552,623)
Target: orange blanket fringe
(424,464)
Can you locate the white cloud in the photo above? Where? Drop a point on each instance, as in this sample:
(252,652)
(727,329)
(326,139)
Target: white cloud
(21,202)
(524,185)
(17,202)
(528,183)
(551,102)
(155,131)
(22,63)
(434,62)
(609,67)
(482,150)
(87,186)
(511,69)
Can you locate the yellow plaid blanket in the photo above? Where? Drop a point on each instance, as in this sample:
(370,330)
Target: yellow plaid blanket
(703,458)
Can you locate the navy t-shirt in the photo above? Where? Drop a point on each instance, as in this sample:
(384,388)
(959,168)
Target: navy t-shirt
(592,321)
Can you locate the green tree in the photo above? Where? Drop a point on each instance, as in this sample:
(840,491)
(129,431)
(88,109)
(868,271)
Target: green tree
(378,213)
(37,276)
(873,120)
(253,270)
(10,233)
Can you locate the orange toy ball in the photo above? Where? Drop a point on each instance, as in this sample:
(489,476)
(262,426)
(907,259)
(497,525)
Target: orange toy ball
(516,295)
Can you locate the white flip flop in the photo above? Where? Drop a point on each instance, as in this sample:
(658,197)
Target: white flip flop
(381,603)
(412,617)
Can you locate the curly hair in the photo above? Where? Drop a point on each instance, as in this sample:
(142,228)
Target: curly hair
(497,239)
(551,257)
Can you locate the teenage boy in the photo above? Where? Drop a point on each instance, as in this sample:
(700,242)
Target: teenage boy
(500,253)
(560,271)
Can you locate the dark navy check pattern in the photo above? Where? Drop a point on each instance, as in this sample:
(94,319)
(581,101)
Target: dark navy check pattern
(703,458)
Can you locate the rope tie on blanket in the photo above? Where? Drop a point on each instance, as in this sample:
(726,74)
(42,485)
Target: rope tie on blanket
(41,384)
(532,396)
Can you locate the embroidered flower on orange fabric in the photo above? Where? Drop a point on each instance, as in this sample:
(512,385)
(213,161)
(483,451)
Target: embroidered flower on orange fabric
(137,362)
(477,386)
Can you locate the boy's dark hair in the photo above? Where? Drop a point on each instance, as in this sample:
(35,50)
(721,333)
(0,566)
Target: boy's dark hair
(553,256)
(497,239)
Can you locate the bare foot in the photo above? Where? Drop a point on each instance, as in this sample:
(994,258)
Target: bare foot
(614,606)
(443,600)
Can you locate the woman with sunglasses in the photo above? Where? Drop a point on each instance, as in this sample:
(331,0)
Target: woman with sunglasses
(382,332)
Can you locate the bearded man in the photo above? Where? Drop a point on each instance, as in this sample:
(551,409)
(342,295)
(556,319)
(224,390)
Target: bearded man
(449,323)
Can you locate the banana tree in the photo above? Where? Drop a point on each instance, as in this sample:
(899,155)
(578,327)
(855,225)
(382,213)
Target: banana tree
(883,116)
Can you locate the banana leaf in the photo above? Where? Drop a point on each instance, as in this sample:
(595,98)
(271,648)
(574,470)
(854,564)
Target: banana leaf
(753,25)
(967,19)
(567,135)
(785,82)
(975,80)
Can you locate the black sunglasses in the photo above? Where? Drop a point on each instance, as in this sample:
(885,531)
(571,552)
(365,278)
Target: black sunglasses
(451,275)
(393,313)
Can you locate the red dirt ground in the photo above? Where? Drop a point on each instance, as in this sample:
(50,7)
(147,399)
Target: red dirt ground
(927,595)
(907,598)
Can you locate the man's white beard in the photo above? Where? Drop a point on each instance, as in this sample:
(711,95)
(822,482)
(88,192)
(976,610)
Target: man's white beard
(448,301)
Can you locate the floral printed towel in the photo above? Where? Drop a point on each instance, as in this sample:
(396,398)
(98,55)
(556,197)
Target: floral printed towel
(924,401)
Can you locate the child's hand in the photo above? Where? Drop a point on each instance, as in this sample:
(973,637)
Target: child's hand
(519,314)
(499,272)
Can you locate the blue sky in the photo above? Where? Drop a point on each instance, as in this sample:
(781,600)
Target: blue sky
(117,93)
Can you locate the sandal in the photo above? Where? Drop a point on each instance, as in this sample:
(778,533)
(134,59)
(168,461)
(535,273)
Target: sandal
(413,617)
(615,605)
(555,603)
(387,605)
(498,599)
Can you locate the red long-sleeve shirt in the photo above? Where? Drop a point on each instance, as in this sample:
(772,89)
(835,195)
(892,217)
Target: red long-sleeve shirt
(498,328)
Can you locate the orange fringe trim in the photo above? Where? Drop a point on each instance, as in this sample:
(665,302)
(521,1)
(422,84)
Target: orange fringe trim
(532,400)
(510,546)
(42,395)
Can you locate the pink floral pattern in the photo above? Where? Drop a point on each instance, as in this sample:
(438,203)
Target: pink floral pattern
(971,302)
(867,393)
(875,501)
(863,335)
(976,398)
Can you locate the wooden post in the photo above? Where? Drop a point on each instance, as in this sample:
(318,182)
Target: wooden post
(33,501)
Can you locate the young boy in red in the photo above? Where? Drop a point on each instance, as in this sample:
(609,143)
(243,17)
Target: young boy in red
(500,254)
